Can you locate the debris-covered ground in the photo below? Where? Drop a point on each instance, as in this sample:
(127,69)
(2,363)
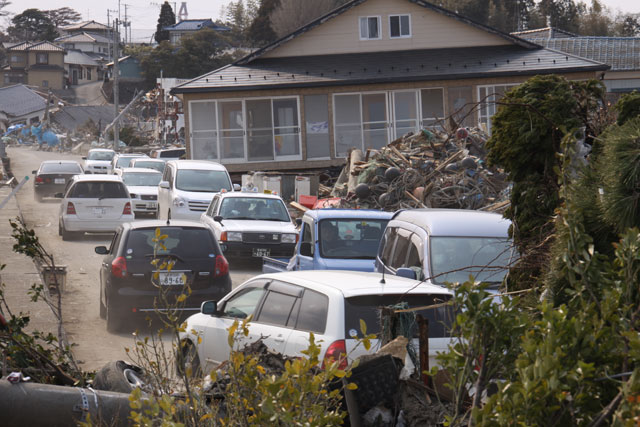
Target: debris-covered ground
(426,169)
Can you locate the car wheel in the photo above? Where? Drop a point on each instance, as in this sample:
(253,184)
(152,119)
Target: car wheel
(103,308)
(66,235)
(191,360)
(120,377)
(114,318)
(59,228)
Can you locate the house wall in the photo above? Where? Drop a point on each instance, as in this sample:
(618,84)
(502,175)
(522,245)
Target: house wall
(335,159)
(84,72)
(55,58)
(429,30)
(20,57)
(54,78)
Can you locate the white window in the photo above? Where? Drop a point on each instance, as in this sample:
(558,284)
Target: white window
(399,26)
(432,103)
(360,121)
(370,28)
(489,96)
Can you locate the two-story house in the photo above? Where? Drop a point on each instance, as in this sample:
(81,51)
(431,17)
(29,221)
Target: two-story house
(91,27)
(94,45)
(360,76)
(190,26)
(35,64)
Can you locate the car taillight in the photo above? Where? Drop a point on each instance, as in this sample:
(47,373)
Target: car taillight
(71,210)
(127,209)
(336,351)
(222,266)
(223,236)
(39,180)
(119,267)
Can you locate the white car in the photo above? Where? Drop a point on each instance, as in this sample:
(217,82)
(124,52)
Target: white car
(188,186)
(251,224)
(98,160)
(123,160)
(93,203)
(143,162)
(287,306)
(142,184)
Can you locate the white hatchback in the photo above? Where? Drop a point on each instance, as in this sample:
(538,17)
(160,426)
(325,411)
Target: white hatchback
(142,184)
(98,160)
(93,203)
(287,306)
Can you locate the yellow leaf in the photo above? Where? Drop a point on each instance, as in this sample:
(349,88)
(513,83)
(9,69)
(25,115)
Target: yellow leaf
(182,298)
(352,386)
(363,327)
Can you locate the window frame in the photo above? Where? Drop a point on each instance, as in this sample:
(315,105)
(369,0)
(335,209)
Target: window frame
(367,17)
(487,103)
(44,55)
(400,36)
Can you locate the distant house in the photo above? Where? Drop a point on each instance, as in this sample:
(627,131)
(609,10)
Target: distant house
(70,118)
(360,76)
(35,64)
(622,54)
(94,45)
(20,105)
(92,27)
(190,26)
(81,68)
(128,67)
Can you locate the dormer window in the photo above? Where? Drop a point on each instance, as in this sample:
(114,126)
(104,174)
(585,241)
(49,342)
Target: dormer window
(399,26)
(370,28)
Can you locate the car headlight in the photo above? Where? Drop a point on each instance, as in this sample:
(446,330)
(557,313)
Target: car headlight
(178,201)
(288,238)
(234,236)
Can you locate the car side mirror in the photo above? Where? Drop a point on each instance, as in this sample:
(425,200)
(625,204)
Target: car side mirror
(58,195)
(101,250)
(34,172)
(218,218)
(164,184)
(409,273)
(209,307)
(298,222)
(236,187)
(305,249)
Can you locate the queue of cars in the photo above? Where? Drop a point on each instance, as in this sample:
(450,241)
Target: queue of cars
(203,216)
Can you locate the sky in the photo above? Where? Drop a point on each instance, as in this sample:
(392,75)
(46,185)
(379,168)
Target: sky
(143,14)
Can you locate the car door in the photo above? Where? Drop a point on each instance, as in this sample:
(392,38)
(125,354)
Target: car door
(305,262)
(215,343)
(311,318)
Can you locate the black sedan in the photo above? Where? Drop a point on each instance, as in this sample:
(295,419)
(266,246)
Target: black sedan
(52,177)
(129,285)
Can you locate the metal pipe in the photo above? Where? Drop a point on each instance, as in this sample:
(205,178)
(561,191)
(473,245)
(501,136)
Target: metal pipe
(35,405)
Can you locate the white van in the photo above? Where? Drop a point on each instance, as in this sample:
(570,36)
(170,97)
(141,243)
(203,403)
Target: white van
(188,186)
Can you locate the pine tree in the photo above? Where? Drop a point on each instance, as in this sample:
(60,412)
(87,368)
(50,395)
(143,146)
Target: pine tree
(167,17)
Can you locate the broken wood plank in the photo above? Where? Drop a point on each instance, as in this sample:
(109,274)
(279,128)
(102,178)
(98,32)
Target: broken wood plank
(298,206)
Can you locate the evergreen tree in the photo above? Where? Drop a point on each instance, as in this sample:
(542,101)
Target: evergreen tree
(32,25)
(167,18)
(260,31)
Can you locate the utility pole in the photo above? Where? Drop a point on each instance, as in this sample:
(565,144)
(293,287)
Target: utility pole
(116,72)
(126,23)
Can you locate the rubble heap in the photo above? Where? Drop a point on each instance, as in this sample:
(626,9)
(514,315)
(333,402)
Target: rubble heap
(428,169)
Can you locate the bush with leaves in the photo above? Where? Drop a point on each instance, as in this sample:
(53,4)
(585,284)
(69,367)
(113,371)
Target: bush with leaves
(628,107)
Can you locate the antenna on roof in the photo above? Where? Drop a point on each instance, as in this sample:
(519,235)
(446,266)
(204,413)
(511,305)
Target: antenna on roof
(382,281)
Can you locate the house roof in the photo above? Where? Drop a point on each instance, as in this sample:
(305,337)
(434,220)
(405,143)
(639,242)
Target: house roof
(122,59)
(349,5)
(195,25)
(85,25)
(82,38)
(621,53)
(19,100)
(77,57)
(72,117)
(39,46)
(383,67)
(543,33)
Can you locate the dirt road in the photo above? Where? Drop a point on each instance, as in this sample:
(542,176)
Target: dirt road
(94,345)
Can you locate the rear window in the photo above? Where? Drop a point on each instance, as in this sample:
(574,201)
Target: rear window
(184,242)
(368,308)
(101,155)
(61,168)
(124,162)
(99,190)
(172,153)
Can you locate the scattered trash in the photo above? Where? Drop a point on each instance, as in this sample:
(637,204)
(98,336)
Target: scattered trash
(17,377)
(430,169)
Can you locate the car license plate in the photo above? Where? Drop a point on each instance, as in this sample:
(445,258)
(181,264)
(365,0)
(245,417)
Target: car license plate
(260,252)
(58,181)
(99,211)
(172,279)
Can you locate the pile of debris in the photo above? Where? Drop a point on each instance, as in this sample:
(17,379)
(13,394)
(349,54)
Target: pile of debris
(428,169)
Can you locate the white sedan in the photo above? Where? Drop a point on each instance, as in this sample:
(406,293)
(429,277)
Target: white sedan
(142,184)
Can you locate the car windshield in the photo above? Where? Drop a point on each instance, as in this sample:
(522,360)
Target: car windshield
(368,308)
(184,242)
(99,190)
(202,180)
(350,238)
(254,208)
(61,168)
(101,155)
(454,259)
(124,162)
(151,179)
(159,166)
